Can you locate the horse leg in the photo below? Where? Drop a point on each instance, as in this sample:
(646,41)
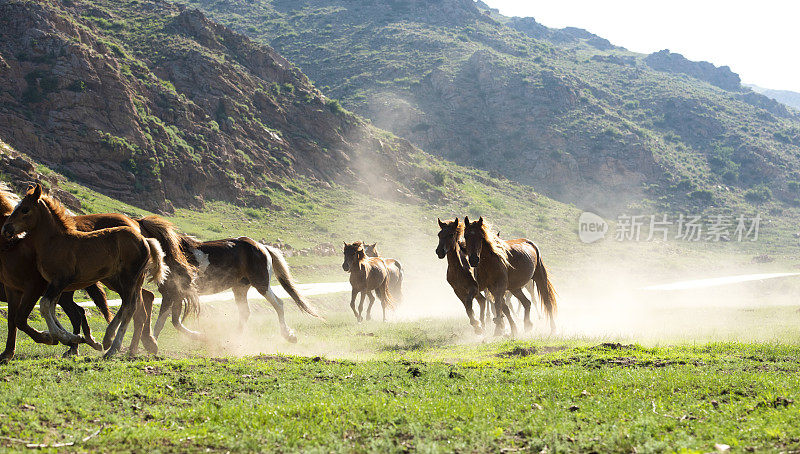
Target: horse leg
(167,301)
(47,307)
(77,316)
(177,309)
(353,295)
(371,302)
(277,304)
(484,310)
(240,295)
(361,306)
(526,303)
(466,300)
(500,304)
(24,309)
(11,337)
(141,324)
(123,317)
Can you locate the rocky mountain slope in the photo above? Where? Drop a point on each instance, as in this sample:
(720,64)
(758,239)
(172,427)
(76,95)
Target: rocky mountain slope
(158,106)
(787,97)
(563,110)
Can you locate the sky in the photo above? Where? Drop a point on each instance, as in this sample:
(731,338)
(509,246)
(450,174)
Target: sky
(758,40)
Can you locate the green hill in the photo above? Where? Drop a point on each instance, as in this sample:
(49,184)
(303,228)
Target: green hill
(562,110)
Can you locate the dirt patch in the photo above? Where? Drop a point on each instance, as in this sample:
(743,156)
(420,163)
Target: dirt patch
(521,352)
(611,346)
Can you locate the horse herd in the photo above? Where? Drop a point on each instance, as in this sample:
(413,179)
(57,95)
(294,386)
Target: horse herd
(47,252)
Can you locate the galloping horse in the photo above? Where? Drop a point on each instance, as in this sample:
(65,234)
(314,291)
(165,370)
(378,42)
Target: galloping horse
(70,259)
(459,276)
(395,271)
(23,285)
(502,266)
(367,274)
(179,285)
(237,264)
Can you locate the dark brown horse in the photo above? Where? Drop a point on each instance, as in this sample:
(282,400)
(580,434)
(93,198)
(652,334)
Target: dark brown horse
(459,275)
(23,285)
(70,259)
(502,266)
(395,271)
(237,264)
(367,274)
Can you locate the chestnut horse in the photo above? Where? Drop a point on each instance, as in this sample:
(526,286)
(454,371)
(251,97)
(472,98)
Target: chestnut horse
(502,266)
(23,285)
(70,259)
(367,274)
(395,271)
(237,264)
(179,284)
(459,275)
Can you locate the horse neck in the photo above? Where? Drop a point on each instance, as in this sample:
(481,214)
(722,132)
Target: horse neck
(47,229)
(454,257)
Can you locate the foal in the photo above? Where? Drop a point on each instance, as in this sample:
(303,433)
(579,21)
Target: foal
(459,276)
(502,266)
(22,285)
(70,259)
(395,272)
(367,274)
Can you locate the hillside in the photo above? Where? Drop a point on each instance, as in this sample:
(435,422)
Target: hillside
(787,97)
(563,110)
(159,107)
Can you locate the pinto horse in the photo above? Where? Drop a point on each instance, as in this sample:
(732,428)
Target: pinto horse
(70,259)
(237,264)
(367,274)
(23,285)
(502,266)
(395,271)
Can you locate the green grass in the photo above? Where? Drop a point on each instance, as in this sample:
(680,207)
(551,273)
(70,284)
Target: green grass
(427,385)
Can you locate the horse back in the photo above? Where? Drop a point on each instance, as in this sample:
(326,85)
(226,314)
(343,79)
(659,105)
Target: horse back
(89,222)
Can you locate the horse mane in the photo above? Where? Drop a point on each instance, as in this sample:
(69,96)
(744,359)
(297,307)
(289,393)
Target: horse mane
(496,245)
(59,212)
(8,199)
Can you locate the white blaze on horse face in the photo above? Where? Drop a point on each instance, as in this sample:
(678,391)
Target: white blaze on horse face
(202,259)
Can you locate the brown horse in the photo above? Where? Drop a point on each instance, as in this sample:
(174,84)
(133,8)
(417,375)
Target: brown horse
(179,285)
(502,266)
(367,274)
(395,271)
(70,259)
(23,285)
(237,264)
(459,275)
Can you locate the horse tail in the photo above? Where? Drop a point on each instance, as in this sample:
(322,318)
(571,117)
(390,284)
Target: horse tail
(384,294)
(98,296)
(398,290)
(547,294)
(284,277)
(164,231)
(156,268)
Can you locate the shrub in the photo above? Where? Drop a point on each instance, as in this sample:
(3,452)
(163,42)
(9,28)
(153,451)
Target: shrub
(758,194)
(702,195)
(334,106)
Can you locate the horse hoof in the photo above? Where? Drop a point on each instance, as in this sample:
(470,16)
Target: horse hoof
(90,341)
(6,356)
(107,342)
(478,330)
(73,351)
(528,327)
(292,338)
(498,331)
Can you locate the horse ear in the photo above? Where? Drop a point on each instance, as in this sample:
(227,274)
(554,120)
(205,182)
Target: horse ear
(456,221)
(441,224)
(344,243)
(374,244)
(37,192)
(466,220)
(480,221)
